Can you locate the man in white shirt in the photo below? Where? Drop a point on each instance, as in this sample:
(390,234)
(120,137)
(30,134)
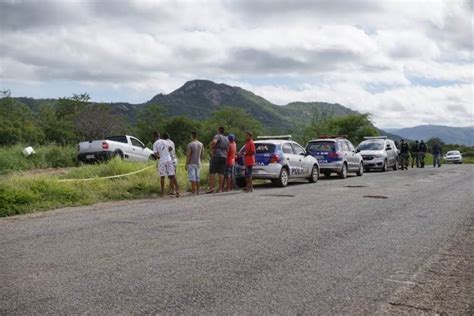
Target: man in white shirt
(165,165)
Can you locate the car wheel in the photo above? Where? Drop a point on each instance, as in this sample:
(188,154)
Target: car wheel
(384,167)
(282,180)
(395,165)
(327,174)
(240,182)
(360,172)
(152,157)
(314,174)
(343,173)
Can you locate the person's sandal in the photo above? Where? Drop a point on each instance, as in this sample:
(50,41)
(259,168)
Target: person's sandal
(210,191)
(177,194)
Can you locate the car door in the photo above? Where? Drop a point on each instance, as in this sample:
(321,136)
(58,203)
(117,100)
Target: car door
(292,160)
(138,150)
(353,156)
(391,153)
(348,155)
(303,170)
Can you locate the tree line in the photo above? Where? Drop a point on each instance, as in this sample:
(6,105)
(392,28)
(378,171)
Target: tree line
(67,121)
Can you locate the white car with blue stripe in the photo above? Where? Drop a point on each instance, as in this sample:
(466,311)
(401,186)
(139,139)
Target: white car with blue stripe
(280,160)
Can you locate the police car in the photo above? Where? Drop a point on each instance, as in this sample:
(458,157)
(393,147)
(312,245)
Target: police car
(279,159)
(336,154)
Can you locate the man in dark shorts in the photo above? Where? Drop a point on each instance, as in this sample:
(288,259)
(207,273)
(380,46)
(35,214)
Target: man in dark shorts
(219,146)
(249,161)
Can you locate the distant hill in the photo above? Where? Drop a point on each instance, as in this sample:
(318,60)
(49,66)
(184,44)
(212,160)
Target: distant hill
(450,135)
(199,98)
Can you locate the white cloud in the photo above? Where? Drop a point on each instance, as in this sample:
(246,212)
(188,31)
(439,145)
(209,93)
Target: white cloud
(387,57)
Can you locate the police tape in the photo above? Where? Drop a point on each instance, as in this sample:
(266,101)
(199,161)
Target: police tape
(116,176)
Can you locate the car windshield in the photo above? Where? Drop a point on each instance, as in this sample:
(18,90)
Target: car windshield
(264,148)
(371,146)
(320,146)
(452,153)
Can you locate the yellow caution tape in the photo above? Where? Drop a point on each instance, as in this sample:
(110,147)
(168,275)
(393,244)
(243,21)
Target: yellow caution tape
(113,177)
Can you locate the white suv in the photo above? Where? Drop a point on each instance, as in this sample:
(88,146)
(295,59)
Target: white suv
(378,153)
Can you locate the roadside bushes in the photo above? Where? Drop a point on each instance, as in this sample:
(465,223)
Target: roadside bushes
(48,156)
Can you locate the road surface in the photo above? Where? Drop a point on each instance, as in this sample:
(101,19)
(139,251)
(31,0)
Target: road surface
(394,242)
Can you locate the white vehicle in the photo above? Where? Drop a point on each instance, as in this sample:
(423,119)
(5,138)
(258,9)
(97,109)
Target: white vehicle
(123,146)
(453,156)
(279,159)
(378,153)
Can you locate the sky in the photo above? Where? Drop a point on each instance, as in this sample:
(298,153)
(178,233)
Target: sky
(406,63)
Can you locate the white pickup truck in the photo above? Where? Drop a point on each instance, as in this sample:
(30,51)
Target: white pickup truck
(123,146)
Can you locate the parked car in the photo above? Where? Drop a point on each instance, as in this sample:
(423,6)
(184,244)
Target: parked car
(378,153)
(122,146)
(279,159)
(453,156)
(336,154)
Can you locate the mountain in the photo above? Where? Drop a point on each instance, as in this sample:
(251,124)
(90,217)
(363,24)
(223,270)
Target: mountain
(199,98)
(448,134)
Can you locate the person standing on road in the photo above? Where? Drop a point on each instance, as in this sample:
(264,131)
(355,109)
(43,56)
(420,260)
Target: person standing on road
(414,154)
(436,152)
(193,163)
(229,174)
(174,158)
(404,152)
(249,161)
(219,146)
(422,149)
(166,168)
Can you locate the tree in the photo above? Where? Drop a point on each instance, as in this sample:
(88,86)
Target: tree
(17,123)
(355,126)
(96,121)
(149,119)
(56,129)
(235,120)
(180,128)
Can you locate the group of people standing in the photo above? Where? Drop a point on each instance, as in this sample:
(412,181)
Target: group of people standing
(417,151)
(223,150)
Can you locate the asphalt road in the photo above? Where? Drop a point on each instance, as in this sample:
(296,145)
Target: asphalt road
(324,248)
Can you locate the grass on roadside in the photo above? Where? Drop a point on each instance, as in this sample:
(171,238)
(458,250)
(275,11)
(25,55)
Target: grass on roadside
(20,194)
(47,156)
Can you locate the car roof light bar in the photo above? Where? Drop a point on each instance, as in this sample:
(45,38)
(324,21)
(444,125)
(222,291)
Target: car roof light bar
(332,136)
(284,137)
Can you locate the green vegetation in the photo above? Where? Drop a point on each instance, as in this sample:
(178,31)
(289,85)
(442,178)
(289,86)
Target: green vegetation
(20,194)
(354,126)
(47,156)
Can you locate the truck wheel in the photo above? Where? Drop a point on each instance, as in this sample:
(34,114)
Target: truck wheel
(395,165)
(117,154)
(313,178)
(282,180)
(152,157)
(343,173)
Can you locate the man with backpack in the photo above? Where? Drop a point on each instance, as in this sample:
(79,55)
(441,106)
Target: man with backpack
(219,147)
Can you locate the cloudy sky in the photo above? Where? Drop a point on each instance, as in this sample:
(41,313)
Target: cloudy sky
(406,62)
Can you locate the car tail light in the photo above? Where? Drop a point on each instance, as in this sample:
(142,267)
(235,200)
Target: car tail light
(335,154)
(275,158)
(105,145)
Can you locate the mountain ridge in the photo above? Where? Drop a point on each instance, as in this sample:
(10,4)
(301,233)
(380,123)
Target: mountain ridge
(448,134)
